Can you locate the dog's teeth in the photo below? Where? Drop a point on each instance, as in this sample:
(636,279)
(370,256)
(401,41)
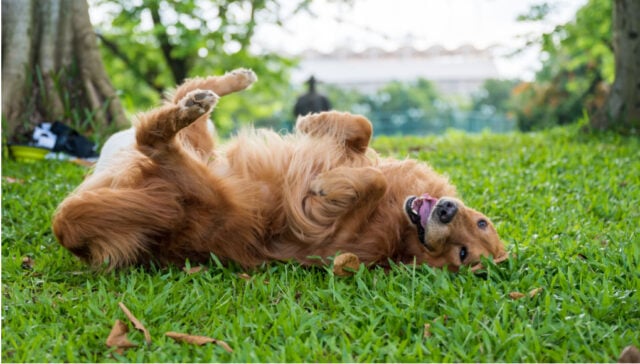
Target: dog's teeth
(414,211)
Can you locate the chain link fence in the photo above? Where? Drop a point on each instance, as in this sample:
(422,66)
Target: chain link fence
(418,123)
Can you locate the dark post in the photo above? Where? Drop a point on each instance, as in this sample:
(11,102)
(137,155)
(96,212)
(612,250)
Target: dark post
(311,101)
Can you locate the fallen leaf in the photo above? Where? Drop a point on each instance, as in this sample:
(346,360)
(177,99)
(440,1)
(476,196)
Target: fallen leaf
(504,257)
(118,337)
(497,260)
(630,354)
(535,291)
(244,276)
(345,260)
(195,269)
(198,340)
(444,319)
(28,263)
(427,331)
(136,323)
(427,326)
(516,295)
(11,180)
(83,162)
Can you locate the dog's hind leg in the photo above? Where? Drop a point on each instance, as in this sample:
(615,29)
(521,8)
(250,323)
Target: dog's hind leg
(156,130)
(354,131)
(199,135)
(234,81)
(117,227)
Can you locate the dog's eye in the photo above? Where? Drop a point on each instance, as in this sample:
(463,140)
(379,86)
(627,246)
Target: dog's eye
(482,224)
(463,254)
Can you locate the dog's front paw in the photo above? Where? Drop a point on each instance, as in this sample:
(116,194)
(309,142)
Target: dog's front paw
(244,77)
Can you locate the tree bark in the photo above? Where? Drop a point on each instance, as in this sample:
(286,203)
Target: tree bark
(17,27)
(621,111)
(53,70)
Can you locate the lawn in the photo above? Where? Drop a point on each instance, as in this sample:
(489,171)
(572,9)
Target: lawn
(565,203)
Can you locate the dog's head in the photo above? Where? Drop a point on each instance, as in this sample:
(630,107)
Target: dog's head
(452,233)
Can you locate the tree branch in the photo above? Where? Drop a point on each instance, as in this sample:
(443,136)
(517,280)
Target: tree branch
(250,24)
(147,77)
(178,66)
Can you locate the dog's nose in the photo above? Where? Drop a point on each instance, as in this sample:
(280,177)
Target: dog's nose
(445,211)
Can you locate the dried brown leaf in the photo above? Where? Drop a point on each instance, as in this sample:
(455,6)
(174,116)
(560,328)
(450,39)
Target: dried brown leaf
(535,291)
(427,326)
(427,331)
(83,162)
(244,276)
(136,323)
(497,260)
(11,180)
(630,354)
(502,258)
(198,340)
(118,337)
(444,319)
(195,269)
(28,263)
(349,261)
(531,294)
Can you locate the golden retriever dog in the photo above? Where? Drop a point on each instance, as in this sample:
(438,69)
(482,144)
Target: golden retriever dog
(169,194)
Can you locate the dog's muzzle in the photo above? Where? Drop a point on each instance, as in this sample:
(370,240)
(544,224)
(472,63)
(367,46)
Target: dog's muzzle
(419,210)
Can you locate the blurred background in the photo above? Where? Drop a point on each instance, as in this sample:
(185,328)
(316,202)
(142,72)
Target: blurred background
(411,66)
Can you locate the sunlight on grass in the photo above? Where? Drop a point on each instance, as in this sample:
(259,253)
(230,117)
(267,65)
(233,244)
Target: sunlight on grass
(566,205)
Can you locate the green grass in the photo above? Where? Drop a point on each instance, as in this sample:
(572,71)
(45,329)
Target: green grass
(565,203)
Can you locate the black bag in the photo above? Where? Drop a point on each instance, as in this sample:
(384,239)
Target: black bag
(71,142)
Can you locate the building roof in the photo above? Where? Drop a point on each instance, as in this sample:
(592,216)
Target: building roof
(374,66)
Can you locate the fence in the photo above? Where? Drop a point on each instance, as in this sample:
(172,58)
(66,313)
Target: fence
(414,123)
(399,123)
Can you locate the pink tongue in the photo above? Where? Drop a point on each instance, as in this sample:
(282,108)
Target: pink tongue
(427,204)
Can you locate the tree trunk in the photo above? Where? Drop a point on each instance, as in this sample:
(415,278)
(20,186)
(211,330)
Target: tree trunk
(621,111)
(52,69)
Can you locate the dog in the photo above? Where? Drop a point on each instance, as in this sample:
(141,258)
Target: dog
(163,193)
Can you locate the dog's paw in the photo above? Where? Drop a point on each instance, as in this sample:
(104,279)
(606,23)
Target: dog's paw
(198,102)
(316,187)
(244,77)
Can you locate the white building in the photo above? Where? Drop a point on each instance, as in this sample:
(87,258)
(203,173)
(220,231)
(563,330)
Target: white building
(459,71)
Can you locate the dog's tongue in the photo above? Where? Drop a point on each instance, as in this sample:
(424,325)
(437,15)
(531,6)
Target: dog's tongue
(423,205)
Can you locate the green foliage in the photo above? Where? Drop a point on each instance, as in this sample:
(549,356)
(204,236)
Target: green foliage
(495,97)
(149,46)
(564,202)
(408,108)
(420,96)
(536,12)
(578,66)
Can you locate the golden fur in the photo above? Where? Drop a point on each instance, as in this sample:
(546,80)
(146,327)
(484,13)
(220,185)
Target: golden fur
(260,197)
